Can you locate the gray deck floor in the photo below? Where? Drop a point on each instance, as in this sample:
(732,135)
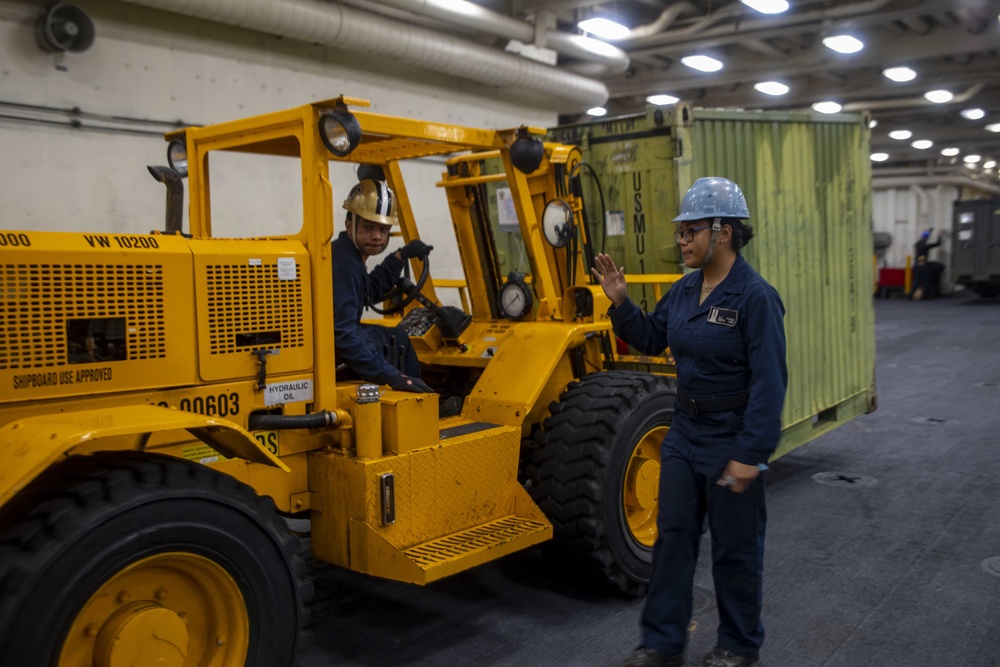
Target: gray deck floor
(903,571)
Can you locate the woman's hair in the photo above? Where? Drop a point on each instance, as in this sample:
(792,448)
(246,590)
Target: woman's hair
(742,233)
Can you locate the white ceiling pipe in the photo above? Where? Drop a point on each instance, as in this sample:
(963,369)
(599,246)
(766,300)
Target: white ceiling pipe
(475,17)
(961,181)
(345,28)
(663,21)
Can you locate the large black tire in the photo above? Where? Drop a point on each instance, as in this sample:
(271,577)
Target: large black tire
(120,520)
(604,432)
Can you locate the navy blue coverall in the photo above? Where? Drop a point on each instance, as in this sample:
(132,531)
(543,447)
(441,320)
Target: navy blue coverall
(732,345)
(362,346)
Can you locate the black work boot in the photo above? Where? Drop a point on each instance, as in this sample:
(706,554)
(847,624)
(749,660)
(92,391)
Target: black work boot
(720,657)
(650,657)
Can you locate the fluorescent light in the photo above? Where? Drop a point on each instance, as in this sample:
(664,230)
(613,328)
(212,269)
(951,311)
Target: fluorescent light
(939,96)
(662,100)
(973,114)
(990,164)
(771,87)
(767,6)
(597,111)
(951,151)
(972,159)
(899,74)
(922,144)
(900,135)
(702,63)
(604,28)
(993,127)
(843,43)
(827,107)
(879,157)
(872,124)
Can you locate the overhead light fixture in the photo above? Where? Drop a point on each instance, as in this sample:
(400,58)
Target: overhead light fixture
(990,164)
(899,74)
(662,100)
(597,111)
(951,151)
(827,107)
(973,114)
(767,6)
(993,127)
(972,159)
(702,63)
(922,144)
(900,135)
(879,157)
(939,96)
(843,43)
(604,28)
(771,87)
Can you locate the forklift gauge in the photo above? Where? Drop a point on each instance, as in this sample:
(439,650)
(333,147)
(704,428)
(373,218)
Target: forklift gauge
(557,223)
(514,298)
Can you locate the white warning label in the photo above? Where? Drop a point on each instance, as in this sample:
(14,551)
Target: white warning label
(288,392)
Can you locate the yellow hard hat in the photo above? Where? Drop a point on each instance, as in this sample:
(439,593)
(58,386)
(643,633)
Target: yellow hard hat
(373,200)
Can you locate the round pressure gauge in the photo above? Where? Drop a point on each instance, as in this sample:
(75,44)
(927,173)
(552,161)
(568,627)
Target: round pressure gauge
(514,299)
(557,223)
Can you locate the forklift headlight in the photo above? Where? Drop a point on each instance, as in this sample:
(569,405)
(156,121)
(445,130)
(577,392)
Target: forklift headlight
(526,152)
(177,157)
(340,132)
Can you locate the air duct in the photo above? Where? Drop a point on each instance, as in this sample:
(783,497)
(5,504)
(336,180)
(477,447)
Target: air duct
(960,181)
(342,27)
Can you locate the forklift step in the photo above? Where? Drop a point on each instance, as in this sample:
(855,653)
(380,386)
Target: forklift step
(483,543)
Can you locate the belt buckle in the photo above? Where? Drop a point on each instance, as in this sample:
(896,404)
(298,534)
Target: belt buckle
(690,405)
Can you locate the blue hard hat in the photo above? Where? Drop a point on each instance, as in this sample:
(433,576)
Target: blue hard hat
(925,234)
(713,197)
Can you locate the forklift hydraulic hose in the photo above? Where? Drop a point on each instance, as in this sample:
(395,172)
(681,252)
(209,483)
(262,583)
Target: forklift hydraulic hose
(278,422)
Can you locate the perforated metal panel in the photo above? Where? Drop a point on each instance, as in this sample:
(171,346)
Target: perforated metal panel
(235,295)
(38,300)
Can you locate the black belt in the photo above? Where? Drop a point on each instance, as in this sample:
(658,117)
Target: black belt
(696,406)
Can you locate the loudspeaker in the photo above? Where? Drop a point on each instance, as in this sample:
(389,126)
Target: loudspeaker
(64,28)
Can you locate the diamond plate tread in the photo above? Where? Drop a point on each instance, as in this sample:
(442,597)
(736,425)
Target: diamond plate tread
(468,542)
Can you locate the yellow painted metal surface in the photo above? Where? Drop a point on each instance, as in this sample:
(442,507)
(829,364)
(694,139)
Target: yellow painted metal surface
(32,444)
(409,421)
(464,483)
(170,610)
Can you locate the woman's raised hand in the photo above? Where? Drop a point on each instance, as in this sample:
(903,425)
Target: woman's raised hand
(612,278)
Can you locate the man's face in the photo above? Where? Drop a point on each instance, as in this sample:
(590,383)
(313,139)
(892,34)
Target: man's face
(370,237)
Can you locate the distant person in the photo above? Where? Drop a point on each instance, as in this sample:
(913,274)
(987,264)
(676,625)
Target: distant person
(371,207)
(725,327)
(926,274)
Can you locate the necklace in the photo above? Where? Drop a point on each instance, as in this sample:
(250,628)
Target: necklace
(706,288)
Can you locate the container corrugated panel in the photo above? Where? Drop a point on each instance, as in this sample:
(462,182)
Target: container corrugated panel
(807,180)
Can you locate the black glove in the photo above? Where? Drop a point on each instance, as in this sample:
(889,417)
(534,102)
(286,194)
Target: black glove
(415,248)
(407,383)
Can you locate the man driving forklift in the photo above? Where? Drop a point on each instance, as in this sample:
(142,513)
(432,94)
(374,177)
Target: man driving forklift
(378,354)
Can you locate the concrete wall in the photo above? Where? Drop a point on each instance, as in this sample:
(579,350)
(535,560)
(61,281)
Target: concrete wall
(147,65)
(905,212)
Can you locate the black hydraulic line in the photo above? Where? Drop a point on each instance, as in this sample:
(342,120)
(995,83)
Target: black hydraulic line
(588,247)
(279,422)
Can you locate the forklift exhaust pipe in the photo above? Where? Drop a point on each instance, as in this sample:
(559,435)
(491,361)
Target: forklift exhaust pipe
(175,197)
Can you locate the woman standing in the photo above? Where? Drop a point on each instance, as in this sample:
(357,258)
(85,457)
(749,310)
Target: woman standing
(724,326)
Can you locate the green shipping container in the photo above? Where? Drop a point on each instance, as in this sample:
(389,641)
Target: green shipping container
(807,180)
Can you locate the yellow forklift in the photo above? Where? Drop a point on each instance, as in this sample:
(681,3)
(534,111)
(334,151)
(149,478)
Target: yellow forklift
(170,399)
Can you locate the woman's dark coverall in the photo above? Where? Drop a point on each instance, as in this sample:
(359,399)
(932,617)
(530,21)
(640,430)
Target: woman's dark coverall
(362,347)
(731,346)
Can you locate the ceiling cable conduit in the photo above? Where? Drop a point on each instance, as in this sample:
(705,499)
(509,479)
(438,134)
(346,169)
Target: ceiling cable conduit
(611,59)
(342,27)
(663,21)
(906,102)
(960,181)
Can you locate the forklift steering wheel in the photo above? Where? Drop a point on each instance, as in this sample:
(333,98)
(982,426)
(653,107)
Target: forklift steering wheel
(405,288)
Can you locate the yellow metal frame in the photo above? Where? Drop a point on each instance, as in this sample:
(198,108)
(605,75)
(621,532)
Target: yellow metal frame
(33,444)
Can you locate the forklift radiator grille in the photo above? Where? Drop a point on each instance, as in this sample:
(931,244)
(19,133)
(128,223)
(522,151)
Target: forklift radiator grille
(37,301)
(250,308)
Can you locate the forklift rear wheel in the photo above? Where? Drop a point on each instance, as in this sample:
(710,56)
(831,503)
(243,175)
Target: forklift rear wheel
(131,558)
